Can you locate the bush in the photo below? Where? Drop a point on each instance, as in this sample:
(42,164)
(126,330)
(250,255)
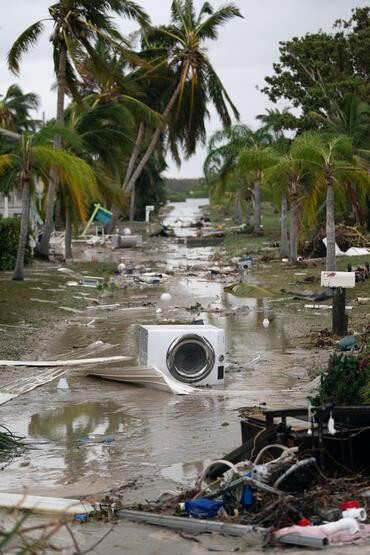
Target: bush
(9,236)
(346,382)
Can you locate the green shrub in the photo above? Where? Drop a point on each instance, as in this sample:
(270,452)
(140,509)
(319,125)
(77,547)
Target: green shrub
(9,235)
(346,382)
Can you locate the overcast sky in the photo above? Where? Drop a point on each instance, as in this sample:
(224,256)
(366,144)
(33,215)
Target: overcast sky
(242,56)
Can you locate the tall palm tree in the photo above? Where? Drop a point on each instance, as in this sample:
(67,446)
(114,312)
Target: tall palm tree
(77,24)
(288,174)
(331,164)
(15,108)
(353,120)
(119,84)
(31,155)
(194,82)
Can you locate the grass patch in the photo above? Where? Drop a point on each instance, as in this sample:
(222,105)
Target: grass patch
(247,243)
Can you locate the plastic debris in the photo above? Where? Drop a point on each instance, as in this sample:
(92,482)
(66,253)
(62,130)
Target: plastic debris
(347,343)
(202,507)
(63,384)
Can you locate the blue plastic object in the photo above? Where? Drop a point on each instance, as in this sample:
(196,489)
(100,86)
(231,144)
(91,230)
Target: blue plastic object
(247,497)
(109,439)
(347,343)
(81,516)
(203,508)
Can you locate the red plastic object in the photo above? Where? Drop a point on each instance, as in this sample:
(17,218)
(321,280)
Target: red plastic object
(304,522)
(350,505)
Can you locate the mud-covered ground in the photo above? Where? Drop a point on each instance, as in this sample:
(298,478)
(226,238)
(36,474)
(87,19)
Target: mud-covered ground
(141,441)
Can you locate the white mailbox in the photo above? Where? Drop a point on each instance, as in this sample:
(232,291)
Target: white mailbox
(148,210)
(338,279)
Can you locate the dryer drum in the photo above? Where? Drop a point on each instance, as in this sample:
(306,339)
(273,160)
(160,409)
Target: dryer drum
(190,358)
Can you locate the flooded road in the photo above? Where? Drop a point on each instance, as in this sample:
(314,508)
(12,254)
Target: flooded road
(99,435)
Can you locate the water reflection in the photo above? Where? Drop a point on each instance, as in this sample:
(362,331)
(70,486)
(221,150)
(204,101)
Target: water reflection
(81,429)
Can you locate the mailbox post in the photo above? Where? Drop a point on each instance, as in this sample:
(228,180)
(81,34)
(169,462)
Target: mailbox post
(339,282)
(148,210)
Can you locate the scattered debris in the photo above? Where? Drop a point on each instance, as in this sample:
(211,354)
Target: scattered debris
(126,241)
(324,306)
(322,295)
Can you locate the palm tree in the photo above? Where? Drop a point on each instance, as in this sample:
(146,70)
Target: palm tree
(105,136)
(288,174)
(126,86)
(194,80)
(77,24)
(31,155)
(352,119)
(15,107)
(224,150)
(331,164)
(276,121)
(221,164)
(254,161)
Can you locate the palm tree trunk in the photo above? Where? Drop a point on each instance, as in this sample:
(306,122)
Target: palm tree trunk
(238,217)
(248,212)
(132,205)
(43,248)
(23,232)
(257,208)
(330,227)
(294,226)
(153,143)
(134,155)
(68,234)
(284,243)
(59,224)
(130,168)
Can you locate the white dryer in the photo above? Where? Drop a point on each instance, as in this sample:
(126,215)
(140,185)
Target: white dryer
(192,354)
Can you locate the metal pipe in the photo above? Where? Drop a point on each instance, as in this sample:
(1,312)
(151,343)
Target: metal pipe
(293,468)
(190,524)
(241,481)
(307,541)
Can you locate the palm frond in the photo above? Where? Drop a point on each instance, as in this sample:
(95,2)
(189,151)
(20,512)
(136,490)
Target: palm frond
(47,134)
(219,96)
(142,111)
(6,162)
(206,9)
(257,159)
(74,172)
(27,39)
(208,29)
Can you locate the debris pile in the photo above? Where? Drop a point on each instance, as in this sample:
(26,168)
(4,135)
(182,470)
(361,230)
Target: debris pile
(283,495)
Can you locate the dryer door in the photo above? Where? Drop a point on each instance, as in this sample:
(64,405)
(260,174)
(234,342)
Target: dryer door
(190,358)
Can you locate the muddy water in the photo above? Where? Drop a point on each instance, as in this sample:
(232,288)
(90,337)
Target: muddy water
(99,435)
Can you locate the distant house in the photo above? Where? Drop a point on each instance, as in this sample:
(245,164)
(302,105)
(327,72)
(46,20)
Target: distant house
(11,205)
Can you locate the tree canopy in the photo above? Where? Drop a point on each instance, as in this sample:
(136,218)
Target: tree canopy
(319,67)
